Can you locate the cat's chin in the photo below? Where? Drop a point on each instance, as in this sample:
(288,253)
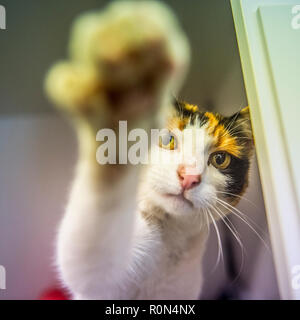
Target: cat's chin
(176,204)
(180,198)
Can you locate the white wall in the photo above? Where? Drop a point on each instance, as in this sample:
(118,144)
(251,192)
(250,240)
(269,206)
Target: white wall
(37,158)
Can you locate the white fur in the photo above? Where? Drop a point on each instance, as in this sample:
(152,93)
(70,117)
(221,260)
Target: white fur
(111,243)
(107,250)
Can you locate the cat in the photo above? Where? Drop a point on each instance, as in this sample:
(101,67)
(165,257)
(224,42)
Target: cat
(132,232)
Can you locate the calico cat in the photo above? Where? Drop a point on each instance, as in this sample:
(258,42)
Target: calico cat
(130,232)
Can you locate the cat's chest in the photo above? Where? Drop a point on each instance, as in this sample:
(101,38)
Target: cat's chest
(168,258)
(174,278)
(177,273)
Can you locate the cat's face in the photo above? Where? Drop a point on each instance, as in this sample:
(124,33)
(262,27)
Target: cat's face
(204,157)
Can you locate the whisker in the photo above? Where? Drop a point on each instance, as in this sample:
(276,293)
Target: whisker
(220,249)
(238,124)
(238,196)
(246,131)
(233,132)
(240,215)
(231,228)
(245,138)
(235,233)
(207,221)
(243,214)
(233,120)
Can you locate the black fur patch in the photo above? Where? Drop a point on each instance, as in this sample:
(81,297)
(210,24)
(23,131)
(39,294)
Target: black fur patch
(239,127)
(191,115)
(237,171)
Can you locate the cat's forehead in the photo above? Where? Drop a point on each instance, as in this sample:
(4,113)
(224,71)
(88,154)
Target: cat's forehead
(215,127)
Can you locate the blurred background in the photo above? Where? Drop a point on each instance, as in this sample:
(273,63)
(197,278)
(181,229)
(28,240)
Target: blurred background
(38,147)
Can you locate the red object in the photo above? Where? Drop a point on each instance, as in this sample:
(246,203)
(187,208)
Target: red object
(54,294)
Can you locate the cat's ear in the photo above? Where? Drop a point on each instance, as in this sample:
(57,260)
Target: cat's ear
(244,113)
(240,126)
(178,105)
(241,119)
(184,109)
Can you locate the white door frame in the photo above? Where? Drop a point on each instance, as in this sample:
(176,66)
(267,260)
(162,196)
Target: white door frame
(274,160)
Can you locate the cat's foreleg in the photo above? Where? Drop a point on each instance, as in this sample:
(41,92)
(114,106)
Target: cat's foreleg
(94,242)
(124,64)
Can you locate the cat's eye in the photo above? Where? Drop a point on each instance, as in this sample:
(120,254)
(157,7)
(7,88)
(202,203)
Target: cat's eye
(168,141)
(220,160)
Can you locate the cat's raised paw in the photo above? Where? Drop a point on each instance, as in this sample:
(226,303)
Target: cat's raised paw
(123,60)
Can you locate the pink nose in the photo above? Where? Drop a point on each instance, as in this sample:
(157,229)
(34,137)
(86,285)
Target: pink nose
(188,177)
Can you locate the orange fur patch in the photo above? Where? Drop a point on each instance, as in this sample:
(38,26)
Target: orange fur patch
(212,122)
(191,107)
(177,123)
(223,140)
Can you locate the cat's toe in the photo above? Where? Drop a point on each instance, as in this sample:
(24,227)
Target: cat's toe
(124,60)
(74,87)
(137,48)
